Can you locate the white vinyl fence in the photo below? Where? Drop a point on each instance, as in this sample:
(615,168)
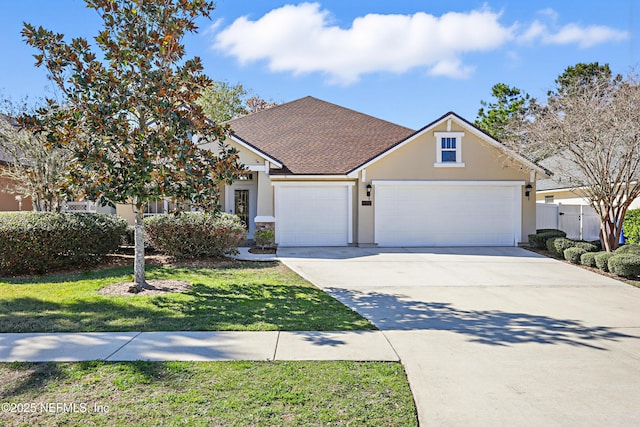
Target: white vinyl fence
(580,222)
(89,207)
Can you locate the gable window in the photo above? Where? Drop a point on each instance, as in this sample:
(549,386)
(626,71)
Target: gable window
(449,149)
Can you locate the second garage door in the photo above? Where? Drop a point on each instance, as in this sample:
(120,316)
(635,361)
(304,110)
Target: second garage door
(308,215)
(447,214)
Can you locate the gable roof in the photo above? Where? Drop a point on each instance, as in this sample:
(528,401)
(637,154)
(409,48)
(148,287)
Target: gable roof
(313,137)
(466,125)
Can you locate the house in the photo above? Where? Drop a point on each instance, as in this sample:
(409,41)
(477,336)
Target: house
(8,200)
(324,175)
(562,190)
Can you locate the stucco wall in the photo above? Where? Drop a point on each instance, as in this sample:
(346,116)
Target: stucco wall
(415,161)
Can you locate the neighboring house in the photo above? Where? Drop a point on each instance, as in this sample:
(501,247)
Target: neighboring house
(9,201)
(564,191)
(324,175)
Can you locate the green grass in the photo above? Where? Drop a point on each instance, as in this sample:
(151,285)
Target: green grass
(233,297)
(209,394)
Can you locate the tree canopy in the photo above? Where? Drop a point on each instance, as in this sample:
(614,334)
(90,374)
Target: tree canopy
(510,104)
(222,101)
(589,132)
(131,111)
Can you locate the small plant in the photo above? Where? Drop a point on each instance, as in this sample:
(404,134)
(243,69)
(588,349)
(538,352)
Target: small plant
(573,254)
(602,260)
(265,238)
(587,246)
(588,259)
(539,240)
(557,245)
(628,249)
(625,265)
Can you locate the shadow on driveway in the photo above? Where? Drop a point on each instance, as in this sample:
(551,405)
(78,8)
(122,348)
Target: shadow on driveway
(491,327)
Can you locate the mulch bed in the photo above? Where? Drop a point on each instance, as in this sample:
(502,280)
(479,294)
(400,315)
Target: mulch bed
(154,287)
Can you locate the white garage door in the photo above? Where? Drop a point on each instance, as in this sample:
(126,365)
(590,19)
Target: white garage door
(447,214)
(313,215)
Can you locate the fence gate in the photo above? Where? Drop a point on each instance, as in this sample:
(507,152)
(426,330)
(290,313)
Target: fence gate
(580,222)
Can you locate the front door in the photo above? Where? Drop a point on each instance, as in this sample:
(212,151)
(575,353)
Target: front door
(241,206)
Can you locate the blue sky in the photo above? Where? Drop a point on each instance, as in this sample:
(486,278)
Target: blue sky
(406,61)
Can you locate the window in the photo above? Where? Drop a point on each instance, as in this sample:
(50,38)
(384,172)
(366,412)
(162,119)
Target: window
(449,149)
(548,199)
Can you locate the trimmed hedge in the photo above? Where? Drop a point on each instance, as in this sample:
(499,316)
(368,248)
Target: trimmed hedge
(539,240)
(557,245)
(36,242)
(587,246)
(588,259)
(602,260)
(631,226)
(628,249)
(625,265)
(573,254)
(195,234)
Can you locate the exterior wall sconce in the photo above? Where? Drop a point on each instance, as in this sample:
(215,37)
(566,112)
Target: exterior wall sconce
(527,190)
(369,190)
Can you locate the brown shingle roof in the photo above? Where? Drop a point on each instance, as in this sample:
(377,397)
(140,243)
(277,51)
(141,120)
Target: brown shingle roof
(314,137)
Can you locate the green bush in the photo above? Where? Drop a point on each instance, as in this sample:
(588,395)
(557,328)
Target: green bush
(551,230)
(625,265)
(194,234)
(628,249)
(587,246)
(557,245)
(588,259)
(265,238)
(602,260)
(631,226)
(573,254)
(36,242)
(539,240)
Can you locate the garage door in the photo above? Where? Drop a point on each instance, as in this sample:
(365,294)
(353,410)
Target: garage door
(447,214)
(313,215)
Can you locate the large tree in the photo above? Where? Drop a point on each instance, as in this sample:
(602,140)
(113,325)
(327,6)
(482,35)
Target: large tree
(34,169)
(510,103)
(222,101)
(591,126)
(130,107)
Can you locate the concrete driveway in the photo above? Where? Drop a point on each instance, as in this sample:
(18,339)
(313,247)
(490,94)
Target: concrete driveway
(494,336)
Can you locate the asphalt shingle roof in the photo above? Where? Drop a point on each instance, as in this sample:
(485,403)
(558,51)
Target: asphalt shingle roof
(313,137)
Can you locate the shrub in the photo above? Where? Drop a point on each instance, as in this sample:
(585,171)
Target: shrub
(539,240)
(573,254)
(625,265)
(628,249)
(264,238)
(587,246)
(36,242)
(631,226)
(602,260)
(557,245)
(194,234)
(588,259)
(550,230)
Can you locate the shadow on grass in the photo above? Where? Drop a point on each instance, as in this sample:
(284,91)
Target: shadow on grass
(234,299)
(491,327)
(37,376)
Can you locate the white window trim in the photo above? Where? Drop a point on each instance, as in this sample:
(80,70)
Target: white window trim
(458,163)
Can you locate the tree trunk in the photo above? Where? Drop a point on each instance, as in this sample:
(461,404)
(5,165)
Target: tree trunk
(139,280)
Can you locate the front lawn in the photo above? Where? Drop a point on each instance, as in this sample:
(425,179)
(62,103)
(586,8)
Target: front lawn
(232,296)
(206,394)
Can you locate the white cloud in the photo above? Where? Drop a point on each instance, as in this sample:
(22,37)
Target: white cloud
(583,36)
(301,39)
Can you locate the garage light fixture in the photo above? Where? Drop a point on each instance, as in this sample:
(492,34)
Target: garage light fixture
(369,190)
(527,190)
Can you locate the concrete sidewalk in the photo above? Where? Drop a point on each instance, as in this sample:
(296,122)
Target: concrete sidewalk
(196,346)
